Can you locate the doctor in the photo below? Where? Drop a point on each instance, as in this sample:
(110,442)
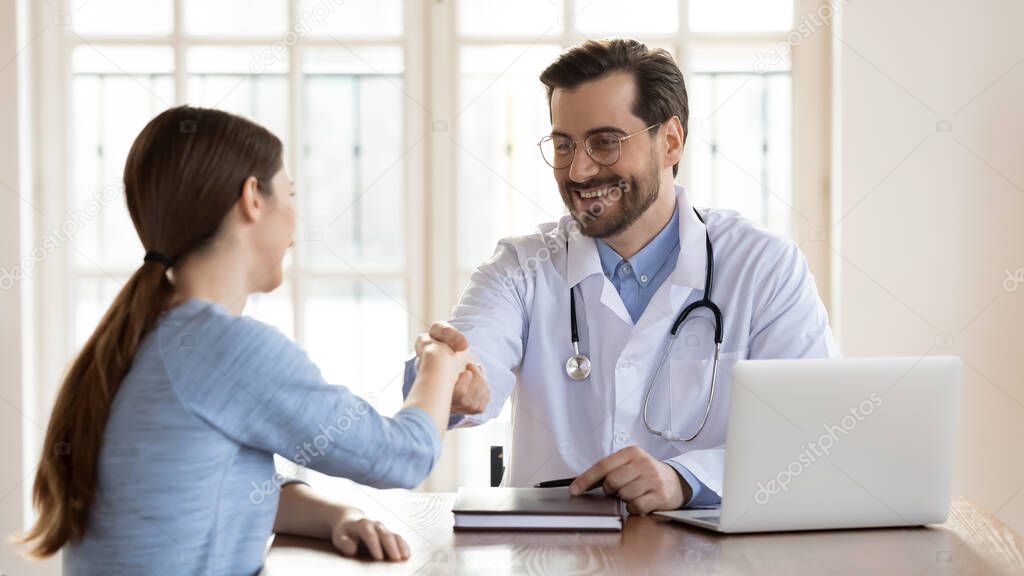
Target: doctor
(631,254)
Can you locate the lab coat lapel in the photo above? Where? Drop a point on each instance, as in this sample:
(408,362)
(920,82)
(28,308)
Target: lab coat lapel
(582,263)
(688,274)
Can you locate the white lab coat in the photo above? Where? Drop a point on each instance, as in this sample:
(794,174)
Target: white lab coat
(515,312)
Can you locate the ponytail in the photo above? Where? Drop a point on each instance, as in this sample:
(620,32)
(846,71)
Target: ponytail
(179,186)
(65,484)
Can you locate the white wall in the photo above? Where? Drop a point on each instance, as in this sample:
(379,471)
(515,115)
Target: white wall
(21,425)
(930,218)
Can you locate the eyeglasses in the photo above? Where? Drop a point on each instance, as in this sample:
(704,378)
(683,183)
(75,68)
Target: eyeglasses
(603,147)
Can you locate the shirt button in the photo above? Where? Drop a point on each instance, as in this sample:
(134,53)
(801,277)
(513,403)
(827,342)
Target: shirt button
(621,438)
(643,278)
(627,270)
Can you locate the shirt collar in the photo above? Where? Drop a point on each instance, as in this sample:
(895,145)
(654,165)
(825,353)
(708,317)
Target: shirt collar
(583,259)
(650,258)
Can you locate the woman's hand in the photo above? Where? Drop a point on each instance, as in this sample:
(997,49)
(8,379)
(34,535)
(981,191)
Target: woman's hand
(471,393)
(354,532)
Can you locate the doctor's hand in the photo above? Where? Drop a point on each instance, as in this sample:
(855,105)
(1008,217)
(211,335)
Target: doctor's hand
(471,394)
(640,480)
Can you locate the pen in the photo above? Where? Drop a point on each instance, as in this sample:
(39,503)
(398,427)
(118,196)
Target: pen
(554,483)
(563,482)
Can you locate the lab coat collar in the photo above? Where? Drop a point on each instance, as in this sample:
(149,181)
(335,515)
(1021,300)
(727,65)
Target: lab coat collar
(650,259)
(583,261)
(693,258)
(688,274)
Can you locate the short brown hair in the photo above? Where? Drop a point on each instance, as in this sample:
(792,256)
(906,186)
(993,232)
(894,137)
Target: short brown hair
(660,90)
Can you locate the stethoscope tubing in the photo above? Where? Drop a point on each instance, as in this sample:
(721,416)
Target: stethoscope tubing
(578,365)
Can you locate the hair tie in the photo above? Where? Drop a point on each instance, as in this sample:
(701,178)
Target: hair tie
(154,256)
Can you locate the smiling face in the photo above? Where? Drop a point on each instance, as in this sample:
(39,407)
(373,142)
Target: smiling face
(606,200)
(274,231)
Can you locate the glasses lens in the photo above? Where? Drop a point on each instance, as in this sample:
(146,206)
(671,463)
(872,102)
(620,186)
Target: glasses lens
(557,151)
(603,147)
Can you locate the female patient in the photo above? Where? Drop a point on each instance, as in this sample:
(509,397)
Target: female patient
(159,454)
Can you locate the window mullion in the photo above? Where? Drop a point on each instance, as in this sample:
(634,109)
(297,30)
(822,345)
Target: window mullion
(295,159)
(178,44)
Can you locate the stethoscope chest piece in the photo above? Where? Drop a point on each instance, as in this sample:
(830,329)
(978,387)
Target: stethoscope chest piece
(578,367)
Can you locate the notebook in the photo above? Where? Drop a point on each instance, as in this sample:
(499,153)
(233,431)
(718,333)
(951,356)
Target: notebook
(535,509)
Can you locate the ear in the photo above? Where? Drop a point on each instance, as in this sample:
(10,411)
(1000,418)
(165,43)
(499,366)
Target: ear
(675,139)
(251,202)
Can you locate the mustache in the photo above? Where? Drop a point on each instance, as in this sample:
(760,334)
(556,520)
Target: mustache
(572,185)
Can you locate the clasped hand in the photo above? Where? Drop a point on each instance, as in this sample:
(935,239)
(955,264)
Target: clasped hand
(446,344)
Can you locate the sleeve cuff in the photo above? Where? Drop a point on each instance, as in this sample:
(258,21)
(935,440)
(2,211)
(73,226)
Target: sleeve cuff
(410,376)
(702,496)
(454,420)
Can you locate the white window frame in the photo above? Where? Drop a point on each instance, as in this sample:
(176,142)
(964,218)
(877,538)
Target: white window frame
(810,140)
(430,45)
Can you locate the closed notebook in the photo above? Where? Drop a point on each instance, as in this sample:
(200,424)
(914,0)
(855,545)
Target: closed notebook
(534,509)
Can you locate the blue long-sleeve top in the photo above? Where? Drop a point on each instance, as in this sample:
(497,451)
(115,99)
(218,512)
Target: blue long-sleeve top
(186,477)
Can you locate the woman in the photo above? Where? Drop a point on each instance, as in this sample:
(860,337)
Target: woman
(159,452)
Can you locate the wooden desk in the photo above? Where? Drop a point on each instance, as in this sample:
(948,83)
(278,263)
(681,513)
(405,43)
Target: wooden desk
(971,542)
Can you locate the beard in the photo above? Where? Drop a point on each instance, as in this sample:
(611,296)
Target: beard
(617,210)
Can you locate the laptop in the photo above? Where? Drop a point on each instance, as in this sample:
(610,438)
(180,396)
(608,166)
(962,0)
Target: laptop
(836,443)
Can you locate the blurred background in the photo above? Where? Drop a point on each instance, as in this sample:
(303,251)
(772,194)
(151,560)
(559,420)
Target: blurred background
(885,138)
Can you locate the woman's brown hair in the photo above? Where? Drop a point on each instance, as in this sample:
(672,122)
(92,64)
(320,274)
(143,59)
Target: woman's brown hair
(184,173)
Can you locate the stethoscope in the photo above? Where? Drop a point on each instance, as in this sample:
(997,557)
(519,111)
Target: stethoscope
(578,365)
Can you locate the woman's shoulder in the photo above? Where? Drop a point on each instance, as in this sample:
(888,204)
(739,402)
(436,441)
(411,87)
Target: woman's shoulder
(198,336)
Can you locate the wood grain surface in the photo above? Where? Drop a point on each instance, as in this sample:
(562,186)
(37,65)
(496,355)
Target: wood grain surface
(971,542)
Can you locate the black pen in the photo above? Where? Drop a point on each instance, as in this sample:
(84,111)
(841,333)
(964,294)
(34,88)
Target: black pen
(561,482)
(554,483)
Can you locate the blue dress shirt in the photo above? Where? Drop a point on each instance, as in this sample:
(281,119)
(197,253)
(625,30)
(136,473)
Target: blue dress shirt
(636,280)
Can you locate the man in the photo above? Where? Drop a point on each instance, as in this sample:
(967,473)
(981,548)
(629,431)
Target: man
(631,254)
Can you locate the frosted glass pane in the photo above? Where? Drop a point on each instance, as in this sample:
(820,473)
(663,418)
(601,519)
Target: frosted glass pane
(739,147)
(122,17)
(504,186)
(92,298)
(352,193)
(108,111)
(274,308)
(236,60)
(741,15)
(235,17)
(351,18)
(219,77)
(103,59)
(640,17)
(501,17)
(357,333)
(345,60)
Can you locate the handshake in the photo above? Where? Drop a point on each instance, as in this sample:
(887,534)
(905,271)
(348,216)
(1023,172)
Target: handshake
(444,344)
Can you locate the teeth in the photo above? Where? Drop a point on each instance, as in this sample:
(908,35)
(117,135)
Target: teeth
(595,193)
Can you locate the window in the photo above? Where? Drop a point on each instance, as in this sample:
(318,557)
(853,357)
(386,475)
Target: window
(738,128)
(398,118)
(340,117)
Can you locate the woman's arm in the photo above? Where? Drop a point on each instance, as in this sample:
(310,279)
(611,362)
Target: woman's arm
(441,370)
(259,388)
(302,513)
